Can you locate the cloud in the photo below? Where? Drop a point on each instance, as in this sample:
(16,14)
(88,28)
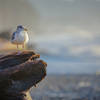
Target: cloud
(77,32)
(73,44)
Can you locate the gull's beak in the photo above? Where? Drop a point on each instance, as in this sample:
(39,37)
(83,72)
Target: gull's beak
(25,29)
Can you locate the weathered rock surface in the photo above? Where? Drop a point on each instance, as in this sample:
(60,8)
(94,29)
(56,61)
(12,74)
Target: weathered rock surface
(18,73)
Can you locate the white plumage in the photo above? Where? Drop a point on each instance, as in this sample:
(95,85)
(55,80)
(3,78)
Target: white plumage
(20,36)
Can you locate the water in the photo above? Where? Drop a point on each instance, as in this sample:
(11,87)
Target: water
(63,65)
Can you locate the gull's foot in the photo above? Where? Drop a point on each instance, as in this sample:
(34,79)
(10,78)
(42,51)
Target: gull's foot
(19,52)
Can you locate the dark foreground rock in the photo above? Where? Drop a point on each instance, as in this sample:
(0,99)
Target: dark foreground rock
(18,73)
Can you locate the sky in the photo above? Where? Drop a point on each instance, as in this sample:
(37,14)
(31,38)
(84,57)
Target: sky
(70,30)
(67,32)
(74,23)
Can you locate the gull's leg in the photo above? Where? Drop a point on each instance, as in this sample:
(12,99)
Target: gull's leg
(23,46)
(19,52)
(17,46)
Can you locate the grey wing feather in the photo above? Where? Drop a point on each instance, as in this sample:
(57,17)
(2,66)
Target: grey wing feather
(13,35)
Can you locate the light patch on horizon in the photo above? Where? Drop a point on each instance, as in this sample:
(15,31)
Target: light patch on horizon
(79,50)
(77,32)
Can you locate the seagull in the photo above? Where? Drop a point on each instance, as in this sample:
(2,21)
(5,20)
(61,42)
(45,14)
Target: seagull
(20,36)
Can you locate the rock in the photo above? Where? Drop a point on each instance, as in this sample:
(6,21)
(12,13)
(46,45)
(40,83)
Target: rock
(18,73)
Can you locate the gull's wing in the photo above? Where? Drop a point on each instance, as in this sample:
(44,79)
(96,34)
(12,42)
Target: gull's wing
(13,36)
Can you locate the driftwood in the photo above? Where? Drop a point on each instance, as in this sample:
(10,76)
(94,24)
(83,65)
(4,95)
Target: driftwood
(18,73)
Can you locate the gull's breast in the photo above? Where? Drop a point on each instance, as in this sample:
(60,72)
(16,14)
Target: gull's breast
(20,38)
(26,38)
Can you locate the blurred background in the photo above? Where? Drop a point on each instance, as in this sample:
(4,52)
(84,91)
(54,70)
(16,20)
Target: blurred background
(66,33)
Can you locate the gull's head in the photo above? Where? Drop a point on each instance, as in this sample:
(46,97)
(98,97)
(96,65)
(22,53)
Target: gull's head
(20,27)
